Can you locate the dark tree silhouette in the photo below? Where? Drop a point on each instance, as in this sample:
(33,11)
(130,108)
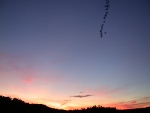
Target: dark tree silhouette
(9,105)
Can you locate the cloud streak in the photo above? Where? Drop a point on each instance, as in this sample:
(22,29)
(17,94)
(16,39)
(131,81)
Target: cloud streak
(19,68)
(65,102)
(136,103)
(81,96)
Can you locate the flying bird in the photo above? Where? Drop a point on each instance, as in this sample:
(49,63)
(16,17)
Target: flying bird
(107,2)
(106,8)
(105,16)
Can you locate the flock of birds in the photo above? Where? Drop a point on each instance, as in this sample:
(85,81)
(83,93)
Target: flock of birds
(104,18)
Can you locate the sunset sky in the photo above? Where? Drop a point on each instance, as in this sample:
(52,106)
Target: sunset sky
(51,52)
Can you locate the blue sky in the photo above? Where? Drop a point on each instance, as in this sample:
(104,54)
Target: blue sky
(54,47)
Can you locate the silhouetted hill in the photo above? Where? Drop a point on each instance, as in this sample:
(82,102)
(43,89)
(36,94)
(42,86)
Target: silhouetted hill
(8,105)
(15,105)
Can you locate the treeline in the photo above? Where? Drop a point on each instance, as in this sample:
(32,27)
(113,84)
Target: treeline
(15,105)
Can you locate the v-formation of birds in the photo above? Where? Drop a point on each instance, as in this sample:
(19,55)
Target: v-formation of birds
(104,18)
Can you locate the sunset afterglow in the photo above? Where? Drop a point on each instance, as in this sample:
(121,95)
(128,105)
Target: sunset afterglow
(51,53)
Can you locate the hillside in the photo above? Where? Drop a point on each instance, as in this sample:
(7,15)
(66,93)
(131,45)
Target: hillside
(15,105)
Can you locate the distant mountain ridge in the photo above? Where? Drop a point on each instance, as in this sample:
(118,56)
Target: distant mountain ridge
(15,105)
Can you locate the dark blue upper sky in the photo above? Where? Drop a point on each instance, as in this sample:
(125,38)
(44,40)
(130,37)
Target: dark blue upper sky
(60,40)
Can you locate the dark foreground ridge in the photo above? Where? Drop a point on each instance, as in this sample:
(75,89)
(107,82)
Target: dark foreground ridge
(14,105)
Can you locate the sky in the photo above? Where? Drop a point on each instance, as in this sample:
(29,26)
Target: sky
(51,52)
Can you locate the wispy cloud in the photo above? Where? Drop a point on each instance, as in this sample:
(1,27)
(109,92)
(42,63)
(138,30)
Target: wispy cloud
(81,96)
(131,104)
(65,102)
(19,68)
(15,64)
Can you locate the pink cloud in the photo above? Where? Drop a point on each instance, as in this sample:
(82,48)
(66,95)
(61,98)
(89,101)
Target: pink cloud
(144,98)
(21,68)
(25,74)
(112,94)
(131,104)
(28,76)
(10,63)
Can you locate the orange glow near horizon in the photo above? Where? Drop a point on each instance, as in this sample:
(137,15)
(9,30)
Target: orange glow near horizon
(75,105)
(53,90)
(51,53)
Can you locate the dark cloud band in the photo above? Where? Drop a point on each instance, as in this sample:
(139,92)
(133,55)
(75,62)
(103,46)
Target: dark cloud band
(81,96)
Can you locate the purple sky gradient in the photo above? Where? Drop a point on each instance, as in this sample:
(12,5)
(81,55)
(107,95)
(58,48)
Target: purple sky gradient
(51,50)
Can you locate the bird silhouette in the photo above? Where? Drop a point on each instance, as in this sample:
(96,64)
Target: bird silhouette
(106,8)
(104,17)
(107,5)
